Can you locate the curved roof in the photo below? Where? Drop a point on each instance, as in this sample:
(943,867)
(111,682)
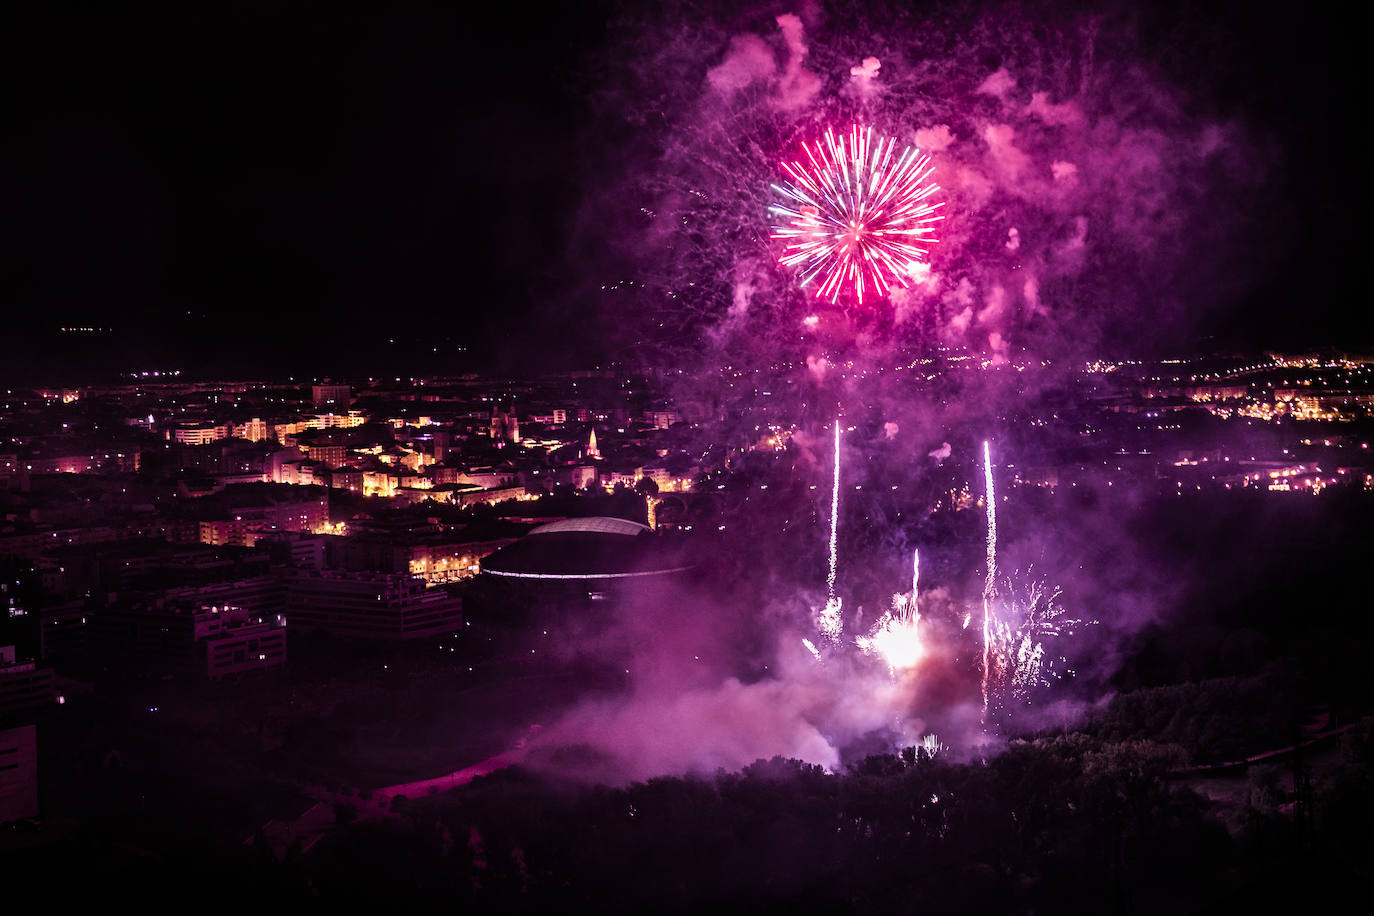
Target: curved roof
(596,524)
(587,548)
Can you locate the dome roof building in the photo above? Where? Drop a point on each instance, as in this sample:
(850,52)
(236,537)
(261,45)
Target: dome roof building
(597,548)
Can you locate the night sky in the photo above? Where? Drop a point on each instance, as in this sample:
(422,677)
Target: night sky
(252,190)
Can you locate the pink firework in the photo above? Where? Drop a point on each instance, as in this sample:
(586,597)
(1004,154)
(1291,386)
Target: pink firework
(858,214)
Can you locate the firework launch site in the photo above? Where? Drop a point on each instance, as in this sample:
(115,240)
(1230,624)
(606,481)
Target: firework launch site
(703,457)
(829,620)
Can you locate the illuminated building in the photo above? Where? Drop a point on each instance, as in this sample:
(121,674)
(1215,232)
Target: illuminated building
(371,605)
(349,420)
(428,552)
(625,478)
(438,565)
(484,477)
(1279,476)
(301,473)
(199,433)
(472,496)
(255,430)
(330,455)
(1205,393)
(661,419)
(285,433)
(580,476)
(658,474)
(330,397)
(380,483)
(505,426)
(255,510)
(347,478)
(65,395)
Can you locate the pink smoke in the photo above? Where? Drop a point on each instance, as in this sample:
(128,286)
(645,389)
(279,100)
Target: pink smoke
(750,61)
(935,139)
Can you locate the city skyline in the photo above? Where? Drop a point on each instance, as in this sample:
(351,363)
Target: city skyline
(696,457)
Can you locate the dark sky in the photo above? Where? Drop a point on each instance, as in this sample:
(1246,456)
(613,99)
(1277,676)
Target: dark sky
(241,187)
(271,181)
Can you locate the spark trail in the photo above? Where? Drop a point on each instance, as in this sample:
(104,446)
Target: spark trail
(830,615)
(912,612)
(834,517)
(990,585)
(1031,614)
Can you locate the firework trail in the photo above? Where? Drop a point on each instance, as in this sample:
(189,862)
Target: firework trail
(913,612)
(989,587)
(834,518)
(856,217)
(829,619)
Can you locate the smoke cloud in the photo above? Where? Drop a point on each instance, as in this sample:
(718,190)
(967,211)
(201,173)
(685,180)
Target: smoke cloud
(1079,182)
(1050,122)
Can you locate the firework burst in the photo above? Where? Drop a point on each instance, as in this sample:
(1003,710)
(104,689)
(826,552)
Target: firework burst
(1026,614)
(896,640)
(857,214)
(896,637)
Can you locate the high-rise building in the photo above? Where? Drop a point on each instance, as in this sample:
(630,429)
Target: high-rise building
(505,426)
(180,637)
(371,605)
(23,685)
(331,398)
(199,433)
(18,773)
